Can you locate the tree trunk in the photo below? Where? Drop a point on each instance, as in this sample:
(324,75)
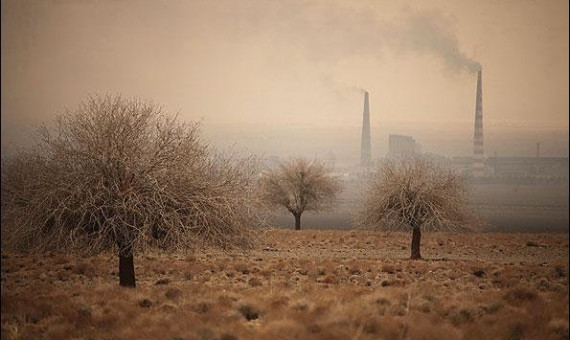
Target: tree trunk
(126,266)
(416,237)
(297,221)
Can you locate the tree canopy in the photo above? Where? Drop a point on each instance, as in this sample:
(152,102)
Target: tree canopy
(300,185)
(415,193)
(118,172)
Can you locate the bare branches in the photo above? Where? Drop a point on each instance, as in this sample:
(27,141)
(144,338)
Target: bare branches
(415,192)
(119,171)
(300,185)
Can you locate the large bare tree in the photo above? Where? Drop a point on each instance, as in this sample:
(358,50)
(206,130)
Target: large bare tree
(118,173)
(300,185)
(418,194)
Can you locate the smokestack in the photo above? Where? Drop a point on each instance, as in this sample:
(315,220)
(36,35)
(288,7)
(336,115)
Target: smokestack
(537,150)
(365,142)
(478,149)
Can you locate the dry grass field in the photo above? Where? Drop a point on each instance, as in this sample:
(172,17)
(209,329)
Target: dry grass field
(312,284)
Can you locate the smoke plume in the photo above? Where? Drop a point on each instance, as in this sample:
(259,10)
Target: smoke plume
(431,32)
(357,89)
(328,32)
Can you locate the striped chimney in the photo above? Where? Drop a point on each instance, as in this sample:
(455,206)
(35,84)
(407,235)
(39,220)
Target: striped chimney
(365,141)
(478,149)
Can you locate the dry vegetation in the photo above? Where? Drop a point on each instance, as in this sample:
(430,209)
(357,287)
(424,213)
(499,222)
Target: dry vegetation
(118,173)
(299,185)
(415,193)
(301,285)
(118,170)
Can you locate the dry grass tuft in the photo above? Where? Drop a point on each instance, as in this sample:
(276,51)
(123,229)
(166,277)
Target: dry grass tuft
(559,328)
(249,312)
(520,294)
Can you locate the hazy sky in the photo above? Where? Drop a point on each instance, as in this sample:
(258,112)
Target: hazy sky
(285,77)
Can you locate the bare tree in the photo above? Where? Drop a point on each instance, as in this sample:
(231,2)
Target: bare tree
(118,173)
(416,194)
(299,185)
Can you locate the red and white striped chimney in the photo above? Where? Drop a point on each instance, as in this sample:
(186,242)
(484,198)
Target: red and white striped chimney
(478,167)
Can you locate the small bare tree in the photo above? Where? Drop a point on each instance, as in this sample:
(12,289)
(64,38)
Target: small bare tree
(118,173)
(416,194)
(299,185)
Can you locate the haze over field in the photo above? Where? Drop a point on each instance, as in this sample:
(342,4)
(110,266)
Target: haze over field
(287,207)
(283,78)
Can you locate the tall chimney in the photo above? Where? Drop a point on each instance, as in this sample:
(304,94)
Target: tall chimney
(478,149)
(537,150)
(365,142)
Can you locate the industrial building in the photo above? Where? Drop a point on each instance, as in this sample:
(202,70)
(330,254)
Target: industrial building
(522,168)
(401,146)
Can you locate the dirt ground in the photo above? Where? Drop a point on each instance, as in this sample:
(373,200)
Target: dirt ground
(309,284)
